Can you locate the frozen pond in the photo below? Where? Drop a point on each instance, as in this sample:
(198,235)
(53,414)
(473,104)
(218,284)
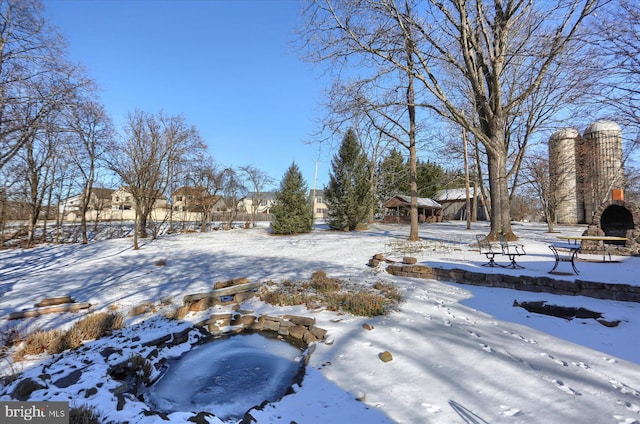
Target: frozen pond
(227,377)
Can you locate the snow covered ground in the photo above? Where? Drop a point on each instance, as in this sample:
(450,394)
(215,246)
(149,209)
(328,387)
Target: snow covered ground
(461,354)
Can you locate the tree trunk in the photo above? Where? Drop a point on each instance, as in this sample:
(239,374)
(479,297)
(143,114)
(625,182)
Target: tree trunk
(466,179)
(413,177)
(499,192)
(136,230)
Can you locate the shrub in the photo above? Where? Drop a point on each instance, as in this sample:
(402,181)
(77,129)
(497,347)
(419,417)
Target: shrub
(323,284)
(142,309)
(84,415)
(51,341)
(334,295)
(91,327)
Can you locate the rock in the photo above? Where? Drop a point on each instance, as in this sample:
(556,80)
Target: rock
(409,260)
(68,380)
(230,283)
(90,392)
(298,320)
(200,418)
(320,333)
(297,331)
(160,341)
(200,305)
(108,351)
(24,389)
(308,337)
(368,327)
(385,356)
(181,337)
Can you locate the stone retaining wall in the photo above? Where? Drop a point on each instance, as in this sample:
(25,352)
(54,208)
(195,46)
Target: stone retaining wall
(293,326)
(622,292)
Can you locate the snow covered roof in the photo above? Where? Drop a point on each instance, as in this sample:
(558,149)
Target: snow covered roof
(403,200)
(452,194)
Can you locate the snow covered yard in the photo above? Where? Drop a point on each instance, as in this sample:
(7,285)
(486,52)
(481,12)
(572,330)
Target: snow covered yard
(460,353)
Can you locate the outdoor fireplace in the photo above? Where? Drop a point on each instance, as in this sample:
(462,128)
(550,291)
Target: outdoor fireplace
(617,218)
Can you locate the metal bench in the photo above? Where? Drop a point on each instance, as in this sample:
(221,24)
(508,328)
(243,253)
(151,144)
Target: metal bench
(486,249)
(511,250)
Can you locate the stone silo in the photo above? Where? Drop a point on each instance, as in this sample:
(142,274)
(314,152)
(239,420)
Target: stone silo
(599,165)
(562,173)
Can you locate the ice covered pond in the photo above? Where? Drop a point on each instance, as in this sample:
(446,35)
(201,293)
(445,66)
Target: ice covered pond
(227,377)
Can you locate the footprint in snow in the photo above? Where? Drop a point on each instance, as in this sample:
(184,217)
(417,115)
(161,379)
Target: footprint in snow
(625,420)
(610,360)
(486,348)
(509,412)
(556,360)
(473,333)
(581,365)
(623,388)
(630,406)
(560,385)
(431,408)
(447,322)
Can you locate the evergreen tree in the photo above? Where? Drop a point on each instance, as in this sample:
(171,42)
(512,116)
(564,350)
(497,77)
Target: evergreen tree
(348,195)
(431,178)
(392,176)
(291,211)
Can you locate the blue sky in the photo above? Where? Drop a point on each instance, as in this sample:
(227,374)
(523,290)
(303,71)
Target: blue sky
(228,66)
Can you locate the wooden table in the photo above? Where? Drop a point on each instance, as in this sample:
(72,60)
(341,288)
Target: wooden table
(601,239)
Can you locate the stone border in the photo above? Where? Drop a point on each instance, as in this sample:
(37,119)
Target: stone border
(621,292)
(296,327)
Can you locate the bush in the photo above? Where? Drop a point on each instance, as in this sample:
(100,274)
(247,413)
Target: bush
(84,415)
(91,327)
(333,294)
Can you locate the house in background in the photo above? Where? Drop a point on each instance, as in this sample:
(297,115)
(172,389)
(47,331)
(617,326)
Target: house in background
(318,205)
(99,200)
(265,202)
(397,210)
(189,199)
(454,204)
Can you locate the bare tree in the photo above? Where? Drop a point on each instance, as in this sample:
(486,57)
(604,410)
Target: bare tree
(554,185)
(619,52)
(35,163)
(500,53)
(207,179)
(147,155)
(90,129)
(387,97)
(31,53)
(257,180)
(234,191)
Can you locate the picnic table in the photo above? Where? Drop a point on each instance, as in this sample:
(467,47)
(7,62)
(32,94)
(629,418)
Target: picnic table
(602,241)
(573,249)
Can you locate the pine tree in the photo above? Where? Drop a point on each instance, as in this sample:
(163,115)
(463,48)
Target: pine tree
(392,176)
(292,212)
(348,195)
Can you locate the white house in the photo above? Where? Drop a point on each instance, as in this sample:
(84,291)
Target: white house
(318,204)
(265,202)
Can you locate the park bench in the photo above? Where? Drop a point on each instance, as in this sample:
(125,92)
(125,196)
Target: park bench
(511,250)
(486,249)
